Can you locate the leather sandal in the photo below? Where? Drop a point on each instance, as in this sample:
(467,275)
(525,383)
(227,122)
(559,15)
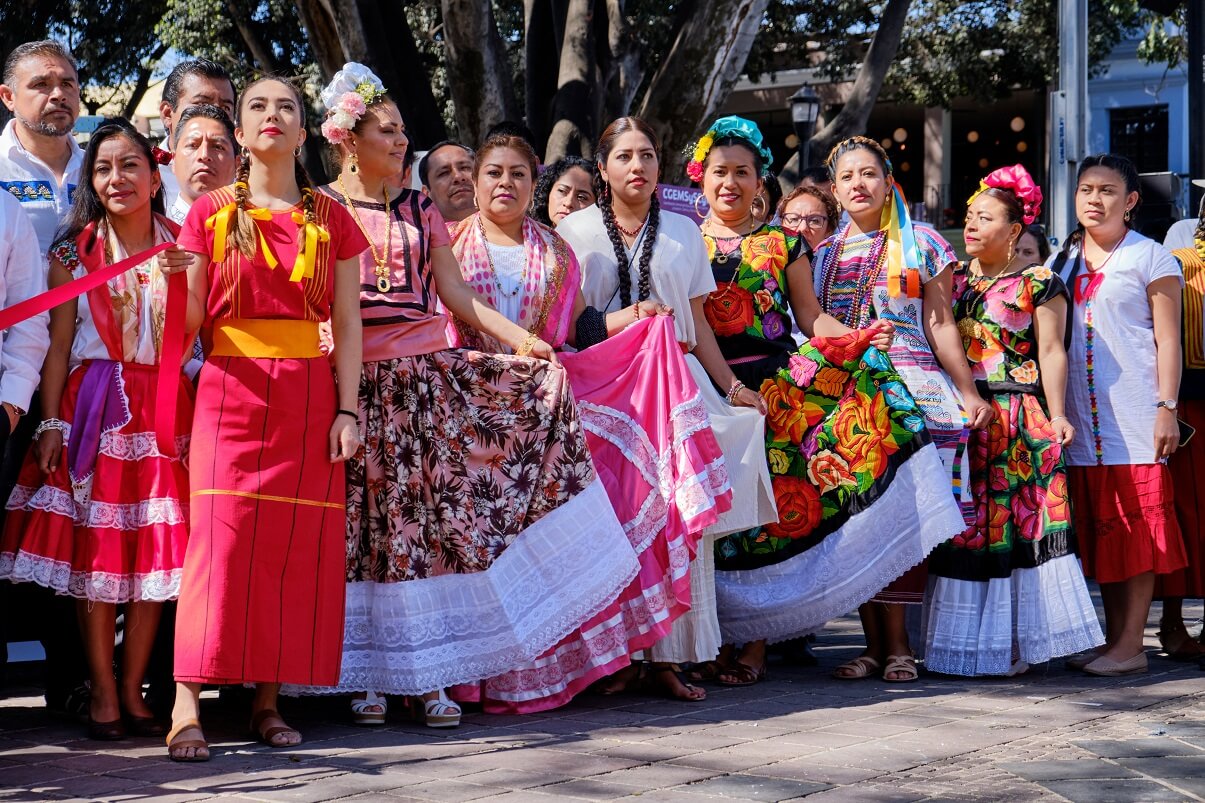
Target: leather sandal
(742,674)
(362,713)
(266,735)
(904,664)
(1179,645)
(113,731)
(175,743)
(859,668)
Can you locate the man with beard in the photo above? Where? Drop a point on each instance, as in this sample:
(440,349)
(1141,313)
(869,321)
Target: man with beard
(39,161)
(446,172)
(39,166)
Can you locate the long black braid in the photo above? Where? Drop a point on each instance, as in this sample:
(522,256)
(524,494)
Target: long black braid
(644,271)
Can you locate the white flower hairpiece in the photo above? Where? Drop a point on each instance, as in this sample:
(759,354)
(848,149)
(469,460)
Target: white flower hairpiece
(346,98)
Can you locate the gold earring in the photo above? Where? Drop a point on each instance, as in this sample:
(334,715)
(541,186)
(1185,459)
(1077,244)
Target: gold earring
(353,164)
(760,214)
(699,214)
(1012,254)
(1127,215)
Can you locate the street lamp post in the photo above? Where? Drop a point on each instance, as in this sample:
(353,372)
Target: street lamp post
(805,109)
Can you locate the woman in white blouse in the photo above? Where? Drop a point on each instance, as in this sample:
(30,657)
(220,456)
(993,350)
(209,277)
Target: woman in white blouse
(1123,381)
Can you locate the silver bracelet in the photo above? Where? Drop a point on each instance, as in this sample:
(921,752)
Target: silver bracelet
(1060,418)
(53,423)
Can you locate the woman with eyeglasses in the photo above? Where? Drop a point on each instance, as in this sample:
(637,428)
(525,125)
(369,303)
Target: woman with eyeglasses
(810,213)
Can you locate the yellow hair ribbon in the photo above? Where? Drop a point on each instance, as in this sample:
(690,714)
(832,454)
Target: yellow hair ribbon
(219,222)
(313,234)
(982,186)
(903,259)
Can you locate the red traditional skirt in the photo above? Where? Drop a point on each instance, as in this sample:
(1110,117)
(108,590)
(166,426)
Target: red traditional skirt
(110,523)
(1125,521)
(263,592)
(1187,468)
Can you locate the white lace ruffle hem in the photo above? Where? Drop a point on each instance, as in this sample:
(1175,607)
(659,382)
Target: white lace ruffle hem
(875,546)
(970,626)
(420,635)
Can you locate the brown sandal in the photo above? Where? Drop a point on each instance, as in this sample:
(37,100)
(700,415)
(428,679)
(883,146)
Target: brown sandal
(741,674)
(859,668)
(1179,644)
(266,735)
(175,743)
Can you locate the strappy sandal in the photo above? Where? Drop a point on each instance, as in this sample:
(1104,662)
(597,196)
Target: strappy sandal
(742,674)
(705,672)
(267,735)
(438,713)
(900,663)
(200,747)
(1180,645)
(859,668)
(362,712)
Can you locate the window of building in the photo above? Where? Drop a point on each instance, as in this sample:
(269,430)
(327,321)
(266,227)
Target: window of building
(1140,133)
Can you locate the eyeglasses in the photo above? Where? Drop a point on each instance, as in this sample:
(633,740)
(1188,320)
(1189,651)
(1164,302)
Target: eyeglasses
(811,221)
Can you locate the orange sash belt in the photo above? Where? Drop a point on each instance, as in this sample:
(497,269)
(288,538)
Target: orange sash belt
(276,338)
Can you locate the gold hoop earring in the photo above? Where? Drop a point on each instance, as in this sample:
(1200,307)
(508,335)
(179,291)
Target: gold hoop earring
(699,214)
(297,152)
(760,215)
(353,164)
(1128,215)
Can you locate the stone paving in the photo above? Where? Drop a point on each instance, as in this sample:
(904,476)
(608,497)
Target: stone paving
(1049,735)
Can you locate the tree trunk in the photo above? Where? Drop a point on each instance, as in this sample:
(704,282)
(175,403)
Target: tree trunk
(619,62)
(261,52)
(573,117)
(855,114)
(478,73)
(543,23)
(143,81)
(376,33)
(708,54)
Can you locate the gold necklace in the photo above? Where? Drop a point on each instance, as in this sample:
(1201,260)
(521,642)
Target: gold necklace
(720,257)
(381,260)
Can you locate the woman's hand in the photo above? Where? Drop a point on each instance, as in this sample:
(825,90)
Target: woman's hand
(1167,433)
(1064,433)
(174,260)
(344,438)
(750,398)
(884,334)
(978,412)
(647,309)
(48,450)
(541,350)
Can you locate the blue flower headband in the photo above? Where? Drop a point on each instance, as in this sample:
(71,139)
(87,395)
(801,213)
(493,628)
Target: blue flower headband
(731,126)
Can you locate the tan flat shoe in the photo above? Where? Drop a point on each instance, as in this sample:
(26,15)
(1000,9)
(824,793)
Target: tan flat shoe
(1108,668)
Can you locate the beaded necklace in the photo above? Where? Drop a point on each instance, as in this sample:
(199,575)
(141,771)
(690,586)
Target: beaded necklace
(857,315)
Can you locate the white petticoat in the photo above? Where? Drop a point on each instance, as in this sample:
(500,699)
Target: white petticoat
(970,626)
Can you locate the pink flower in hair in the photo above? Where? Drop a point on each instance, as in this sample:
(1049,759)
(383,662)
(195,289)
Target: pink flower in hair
(353,104)
(1017,179)
(694,171)
(333,133)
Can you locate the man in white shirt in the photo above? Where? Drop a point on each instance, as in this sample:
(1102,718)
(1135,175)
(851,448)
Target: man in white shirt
(190,83)
(39,161)
(1181,233)
(39,167)
(205,155)
(24,345)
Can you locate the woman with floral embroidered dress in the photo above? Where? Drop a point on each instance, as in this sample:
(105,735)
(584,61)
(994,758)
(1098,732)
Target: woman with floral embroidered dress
(261,600)
(478,534)
(880,266)
(98,512)
(1122,392)
(635,254)
(846,444)
(1008,591)
(647,427)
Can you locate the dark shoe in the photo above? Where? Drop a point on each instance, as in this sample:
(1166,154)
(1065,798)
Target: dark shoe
(145,726)
(71,706)
(113,731)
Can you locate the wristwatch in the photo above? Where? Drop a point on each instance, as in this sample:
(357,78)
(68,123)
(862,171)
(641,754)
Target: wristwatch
(1169,404)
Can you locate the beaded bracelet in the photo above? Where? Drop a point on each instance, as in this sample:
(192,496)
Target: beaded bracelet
(736,388)
(53,423)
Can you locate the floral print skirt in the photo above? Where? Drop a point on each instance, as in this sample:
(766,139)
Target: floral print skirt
(478,534)
(1009,587)
(862,494)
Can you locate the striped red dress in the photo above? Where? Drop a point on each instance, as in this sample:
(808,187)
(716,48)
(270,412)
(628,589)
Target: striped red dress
(262,594)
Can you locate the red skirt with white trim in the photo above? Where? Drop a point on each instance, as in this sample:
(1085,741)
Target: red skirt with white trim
(118,535)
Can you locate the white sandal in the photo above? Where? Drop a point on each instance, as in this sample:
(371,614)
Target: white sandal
(363,713)
(441,712)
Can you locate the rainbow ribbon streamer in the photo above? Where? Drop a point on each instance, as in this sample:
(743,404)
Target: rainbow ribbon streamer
(903,254)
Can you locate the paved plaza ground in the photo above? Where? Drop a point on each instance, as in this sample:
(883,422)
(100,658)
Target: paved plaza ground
(1050,735)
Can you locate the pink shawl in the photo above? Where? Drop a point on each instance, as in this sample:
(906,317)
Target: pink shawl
(553,279)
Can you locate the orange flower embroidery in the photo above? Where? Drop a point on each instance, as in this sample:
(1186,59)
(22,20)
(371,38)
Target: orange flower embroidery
(829,471)
(789,413)
(1025,373)
(799,509)
(864,437)
(830,381)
